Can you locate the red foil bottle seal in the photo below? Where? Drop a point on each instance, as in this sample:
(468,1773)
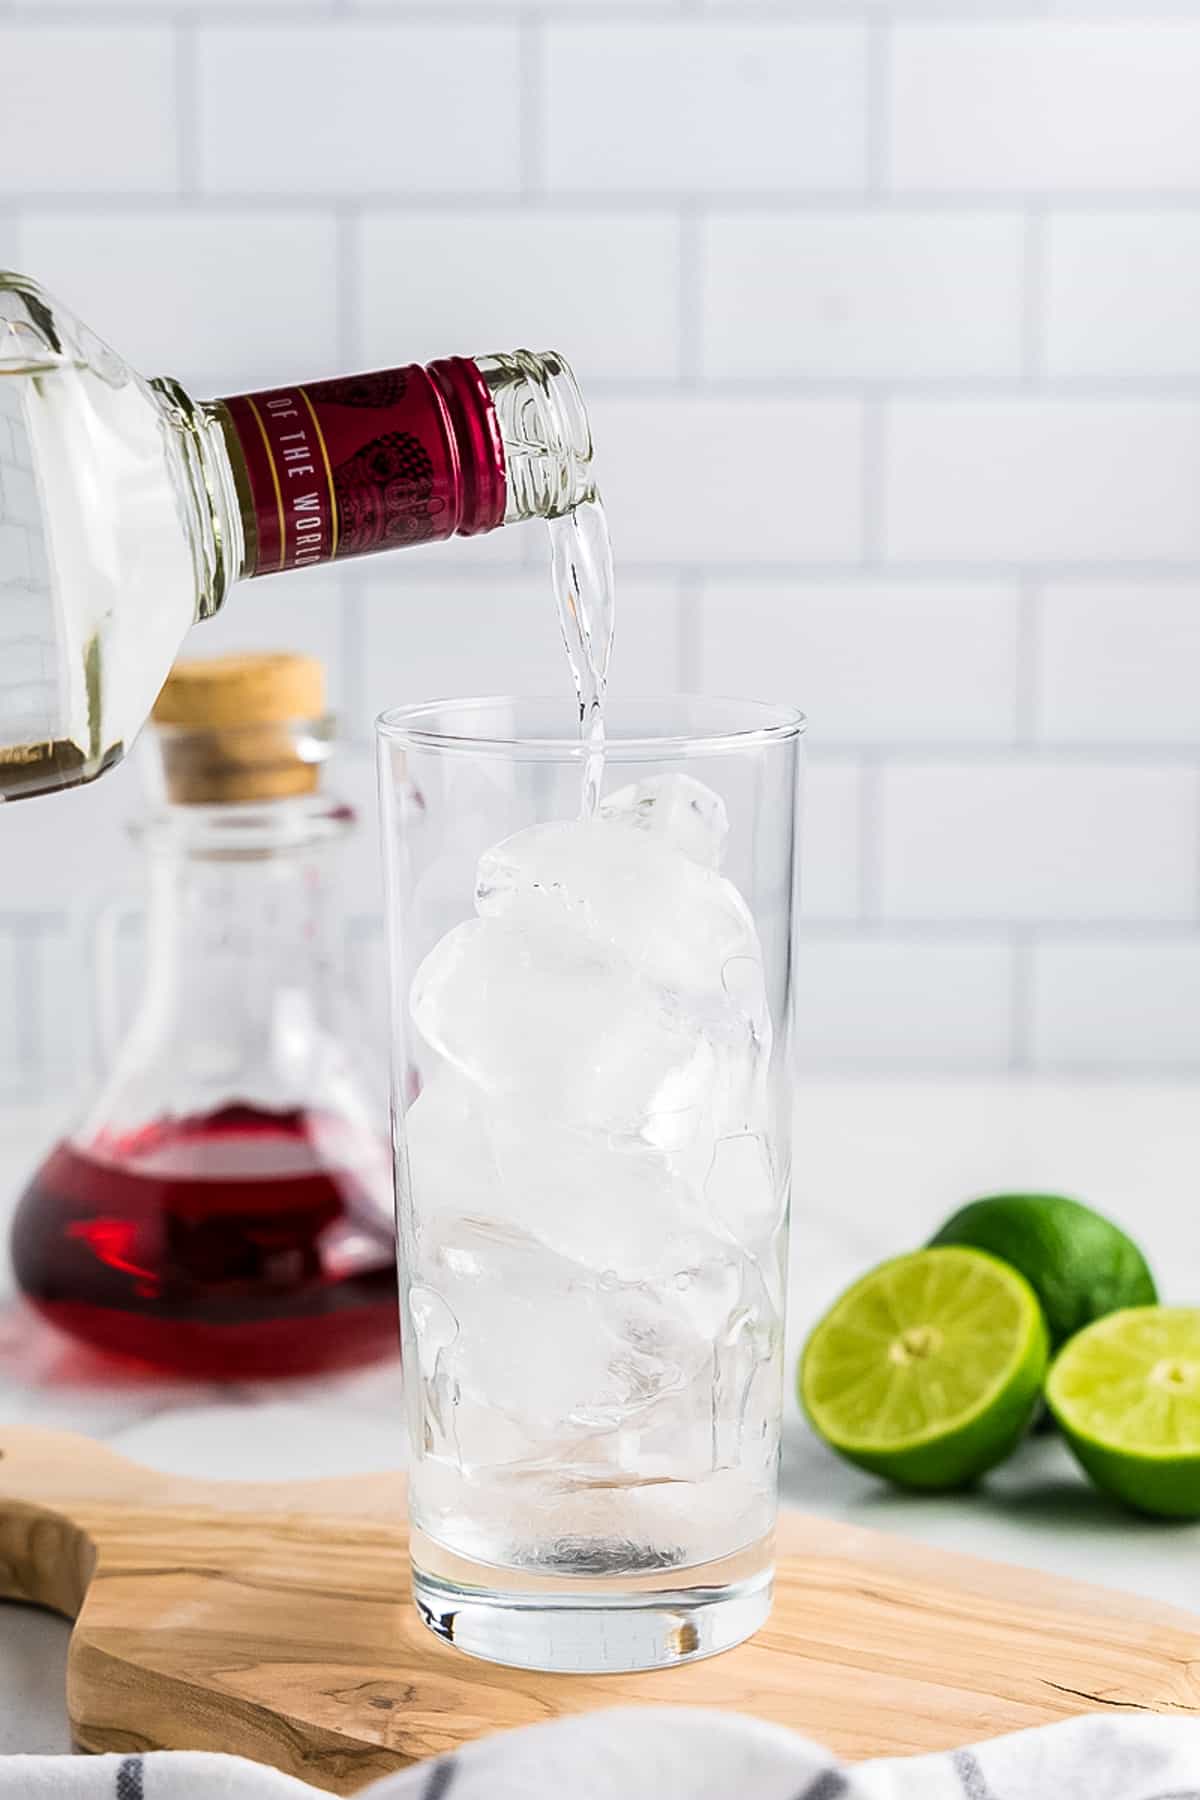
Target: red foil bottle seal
(370,462)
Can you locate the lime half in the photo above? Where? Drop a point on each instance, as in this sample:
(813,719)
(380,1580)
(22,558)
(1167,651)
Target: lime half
(927,1370)
(1078,1263)
(1126,1393)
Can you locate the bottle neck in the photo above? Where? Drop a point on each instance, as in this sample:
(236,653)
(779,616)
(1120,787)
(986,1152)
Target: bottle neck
(207,485)
(327,470)
(543,427)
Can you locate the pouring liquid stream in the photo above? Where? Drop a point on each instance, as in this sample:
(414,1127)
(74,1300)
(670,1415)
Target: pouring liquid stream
(582,570)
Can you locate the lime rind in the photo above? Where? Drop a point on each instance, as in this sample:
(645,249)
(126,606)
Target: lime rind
(1080,1264)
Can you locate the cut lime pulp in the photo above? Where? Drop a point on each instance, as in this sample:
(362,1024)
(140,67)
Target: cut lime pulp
(928,1370)
(1126,1393)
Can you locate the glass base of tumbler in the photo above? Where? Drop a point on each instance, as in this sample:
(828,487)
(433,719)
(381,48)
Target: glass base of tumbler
(588,1625)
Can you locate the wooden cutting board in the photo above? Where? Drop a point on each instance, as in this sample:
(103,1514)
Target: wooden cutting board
(274,1620)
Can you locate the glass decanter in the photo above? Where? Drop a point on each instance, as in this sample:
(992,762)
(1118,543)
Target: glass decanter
(224,1207)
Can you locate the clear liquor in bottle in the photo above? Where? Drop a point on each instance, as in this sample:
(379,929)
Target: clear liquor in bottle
(128,509)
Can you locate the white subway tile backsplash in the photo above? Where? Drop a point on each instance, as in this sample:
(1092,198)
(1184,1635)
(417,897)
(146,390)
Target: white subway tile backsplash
(298,610)
(880,661)
(831,840)
(221,300)
(565,7)
(904,1003)
(1034,840)
(1040,107)
(520,545)
(1140,10)
(501,636)
(62,853)
(863,295)
(351,776)
(350,107)
(13,1076)
(455,638)
(1123,295)
(700,104)
(87,109)
(923,9)
(646,647)
(964,9)
(64,954)
(170,7)
(1108,1004)
(1040,478)
(1120,663)
(978,225)
(693,478)
(603,288)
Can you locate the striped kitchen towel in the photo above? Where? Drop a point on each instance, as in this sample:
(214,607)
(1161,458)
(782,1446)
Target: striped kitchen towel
(678,1753)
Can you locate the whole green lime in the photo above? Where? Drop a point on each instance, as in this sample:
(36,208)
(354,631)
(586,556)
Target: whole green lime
(928,1370)
(1126,1394)
(1078,1263)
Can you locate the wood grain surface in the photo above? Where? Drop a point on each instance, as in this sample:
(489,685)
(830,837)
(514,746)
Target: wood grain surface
(274,1620)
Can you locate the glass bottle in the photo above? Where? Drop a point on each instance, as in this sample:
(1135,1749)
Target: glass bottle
(128,509)
(224,1208)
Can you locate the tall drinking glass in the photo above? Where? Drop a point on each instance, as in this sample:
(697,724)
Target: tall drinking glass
(592,1101)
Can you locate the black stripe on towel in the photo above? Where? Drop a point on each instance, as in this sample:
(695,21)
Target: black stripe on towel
(830,1784)
(129,1780)
(974,1784)
(437,1782)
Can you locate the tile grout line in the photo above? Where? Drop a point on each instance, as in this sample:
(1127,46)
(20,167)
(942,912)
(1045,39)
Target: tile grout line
(870,855)
(792,203)
(1070,928)
(1028,648)
(690,299)
(28,1003)
(821,13)
(349,284)
(689,649)
(258,12)
(1020,1023)
(854,575)
(878,104)
(1034,318)
(351,604)
(187,108)
(966,390)
(531,122)
(874,415)
(931,929)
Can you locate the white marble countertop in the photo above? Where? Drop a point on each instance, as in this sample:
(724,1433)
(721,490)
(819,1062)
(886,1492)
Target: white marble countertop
(878,1165)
